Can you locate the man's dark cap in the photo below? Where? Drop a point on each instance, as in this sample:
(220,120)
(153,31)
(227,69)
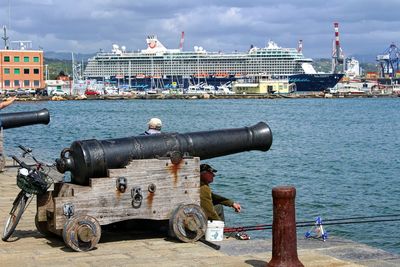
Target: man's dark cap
(206,167)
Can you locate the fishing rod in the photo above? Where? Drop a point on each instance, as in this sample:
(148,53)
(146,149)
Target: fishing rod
(269,227)
(313,223)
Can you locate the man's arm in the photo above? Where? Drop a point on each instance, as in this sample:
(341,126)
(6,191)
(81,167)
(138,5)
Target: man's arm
(7,102)
(217,199)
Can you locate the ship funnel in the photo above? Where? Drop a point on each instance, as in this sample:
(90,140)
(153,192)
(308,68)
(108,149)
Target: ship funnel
(154,45)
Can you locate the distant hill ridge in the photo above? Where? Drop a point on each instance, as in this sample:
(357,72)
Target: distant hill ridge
(67,55)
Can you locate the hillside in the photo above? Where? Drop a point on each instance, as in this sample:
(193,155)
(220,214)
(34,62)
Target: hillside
(55,66)
(62,61)
(325,65)
(67,56)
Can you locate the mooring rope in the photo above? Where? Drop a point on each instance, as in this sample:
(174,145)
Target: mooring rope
(337,221)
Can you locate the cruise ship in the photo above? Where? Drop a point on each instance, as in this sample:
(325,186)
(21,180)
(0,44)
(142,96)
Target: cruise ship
(159,67)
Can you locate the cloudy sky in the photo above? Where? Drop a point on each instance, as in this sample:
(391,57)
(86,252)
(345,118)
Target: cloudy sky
(83,26)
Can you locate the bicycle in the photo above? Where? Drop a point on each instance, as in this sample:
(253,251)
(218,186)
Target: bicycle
(32,179)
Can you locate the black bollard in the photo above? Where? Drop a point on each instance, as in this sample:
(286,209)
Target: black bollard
(284,239)
(19,119)
(92,158)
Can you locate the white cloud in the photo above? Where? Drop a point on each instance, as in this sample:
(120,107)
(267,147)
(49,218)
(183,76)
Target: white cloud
(86,26)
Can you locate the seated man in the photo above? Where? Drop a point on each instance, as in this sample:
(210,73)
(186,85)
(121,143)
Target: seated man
(211,203)
(154,126)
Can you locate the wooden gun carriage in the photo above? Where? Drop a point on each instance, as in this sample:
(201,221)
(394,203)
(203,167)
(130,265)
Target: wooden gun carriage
(110,183)
(153,189)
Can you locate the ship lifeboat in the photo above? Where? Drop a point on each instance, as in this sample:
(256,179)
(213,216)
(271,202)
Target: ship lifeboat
(238,75)
(201,75)
(140,76)
(221,75)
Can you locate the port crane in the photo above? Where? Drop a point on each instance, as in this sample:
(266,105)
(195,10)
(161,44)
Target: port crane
(389,61)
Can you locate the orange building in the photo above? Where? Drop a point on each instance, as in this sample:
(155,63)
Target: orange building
(372,76)
(21,69)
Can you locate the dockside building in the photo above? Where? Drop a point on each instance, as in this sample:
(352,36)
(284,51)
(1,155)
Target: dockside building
(21,69)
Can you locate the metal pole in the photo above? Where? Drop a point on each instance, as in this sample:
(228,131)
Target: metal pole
(284,240)
(46,72)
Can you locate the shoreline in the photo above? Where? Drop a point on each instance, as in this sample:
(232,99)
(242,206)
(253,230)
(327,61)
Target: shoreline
(204,96)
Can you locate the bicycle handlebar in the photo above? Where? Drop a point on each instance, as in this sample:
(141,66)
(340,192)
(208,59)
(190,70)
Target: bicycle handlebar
(38,164)
(28,151)
(25,149)
(21,163)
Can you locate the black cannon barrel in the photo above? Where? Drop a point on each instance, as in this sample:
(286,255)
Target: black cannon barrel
(92,158)
(18,119)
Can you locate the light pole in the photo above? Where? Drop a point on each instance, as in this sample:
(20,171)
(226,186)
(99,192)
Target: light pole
(46,72)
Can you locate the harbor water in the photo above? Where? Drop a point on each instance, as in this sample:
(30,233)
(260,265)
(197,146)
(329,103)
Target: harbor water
(342,155)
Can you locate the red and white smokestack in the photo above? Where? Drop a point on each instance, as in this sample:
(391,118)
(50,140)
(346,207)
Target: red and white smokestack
(337,42)
(300,46)
(337,34)
(337,55)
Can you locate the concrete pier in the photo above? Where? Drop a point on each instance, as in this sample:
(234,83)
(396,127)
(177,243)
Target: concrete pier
(27,247)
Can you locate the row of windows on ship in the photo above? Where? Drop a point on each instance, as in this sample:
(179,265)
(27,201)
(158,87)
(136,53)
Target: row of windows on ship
(185,72)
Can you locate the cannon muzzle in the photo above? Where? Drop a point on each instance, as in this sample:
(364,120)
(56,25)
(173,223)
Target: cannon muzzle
(18,119)
(92,158)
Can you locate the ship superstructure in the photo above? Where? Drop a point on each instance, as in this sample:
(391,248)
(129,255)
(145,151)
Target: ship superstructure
(173,66)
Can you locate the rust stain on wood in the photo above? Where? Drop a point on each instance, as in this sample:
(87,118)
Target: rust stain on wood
(117,194)
(150,197)
(174,169)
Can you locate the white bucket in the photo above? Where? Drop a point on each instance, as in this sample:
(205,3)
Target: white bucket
(215,231)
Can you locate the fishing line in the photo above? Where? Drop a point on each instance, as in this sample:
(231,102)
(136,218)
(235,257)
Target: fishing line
(355,222)
(337,221)
(361,217)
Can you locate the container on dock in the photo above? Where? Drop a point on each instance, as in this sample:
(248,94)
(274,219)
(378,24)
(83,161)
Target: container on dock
(215,231)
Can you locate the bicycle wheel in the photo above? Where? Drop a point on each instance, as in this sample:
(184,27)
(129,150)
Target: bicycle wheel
(15,215)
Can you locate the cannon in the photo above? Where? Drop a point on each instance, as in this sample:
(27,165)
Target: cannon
(19,119)
(154,177)
(92,158)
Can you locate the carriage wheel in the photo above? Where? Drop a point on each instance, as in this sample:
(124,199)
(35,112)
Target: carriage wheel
(81,233)
(42,227)
(188,223)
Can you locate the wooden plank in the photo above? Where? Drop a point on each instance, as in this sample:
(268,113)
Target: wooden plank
(44,202)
